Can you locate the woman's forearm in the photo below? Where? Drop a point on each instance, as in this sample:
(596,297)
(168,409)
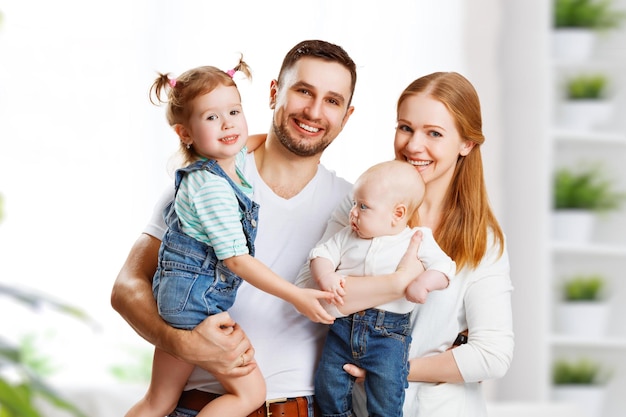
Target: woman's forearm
(436,368)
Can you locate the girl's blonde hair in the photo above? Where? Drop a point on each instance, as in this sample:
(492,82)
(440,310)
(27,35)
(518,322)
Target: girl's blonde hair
(178,93)
(467,217)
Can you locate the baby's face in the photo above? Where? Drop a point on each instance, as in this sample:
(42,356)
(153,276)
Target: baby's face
(372,212)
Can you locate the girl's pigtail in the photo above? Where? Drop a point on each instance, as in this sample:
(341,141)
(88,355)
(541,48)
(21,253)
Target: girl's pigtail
(243,67)
(158,89)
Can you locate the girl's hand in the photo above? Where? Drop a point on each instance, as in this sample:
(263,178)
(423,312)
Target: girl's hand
(306,301)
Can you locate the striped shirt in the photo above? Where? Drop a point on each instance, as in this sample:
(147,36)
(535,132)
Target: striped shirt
(209,212)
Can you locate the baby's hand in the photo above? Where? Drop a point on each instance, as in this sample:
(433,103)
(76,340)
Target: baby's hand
(334,283)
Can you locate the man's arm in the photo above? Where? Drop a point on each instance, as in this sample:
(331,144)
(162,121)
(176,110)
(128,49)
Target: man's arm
(217,344)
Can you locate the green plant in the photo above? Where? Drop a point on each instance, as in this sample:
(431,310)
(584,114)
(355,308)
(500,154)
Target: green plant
(592,14)
(587,189)
(584,288)
(583,371)
(587,86)
(20,384)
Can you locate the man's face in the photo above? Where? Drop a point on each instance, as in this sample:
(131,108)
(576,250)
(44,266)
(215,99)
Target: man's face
(311,105)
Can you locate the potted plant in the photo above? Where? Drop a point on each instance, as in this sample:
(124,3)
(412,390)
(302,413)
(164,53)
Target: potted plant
(586,103)
(578,196)
(21,388)
(576,23)
(583,310)
(581,382)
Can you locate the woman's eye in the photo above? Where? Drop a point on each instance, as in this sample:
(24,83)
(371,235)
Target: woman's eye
(405,128)
(434,134)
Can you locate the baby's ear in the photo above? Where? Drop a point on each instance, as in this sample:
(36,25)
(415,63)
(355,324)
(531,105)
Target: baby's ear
(399,212)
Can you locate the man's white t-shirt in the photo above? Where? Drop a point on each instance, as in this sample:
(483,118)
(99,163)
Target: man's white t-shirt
(287,344)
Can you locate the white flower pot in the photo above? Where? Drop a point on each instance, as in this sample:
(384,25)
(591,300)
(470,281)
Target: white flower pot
(585,114)
(573,226)
(584,319)
(573,44)
(590,398)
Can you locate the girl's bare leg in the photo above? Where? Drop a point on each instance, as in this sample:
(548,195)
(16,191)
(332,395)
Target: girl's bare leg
(169,376)
(243,395)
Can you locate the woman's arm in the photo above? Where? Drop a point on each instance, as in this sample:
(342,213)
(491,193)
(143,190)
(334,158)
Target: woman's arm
(211,345)
(369,291)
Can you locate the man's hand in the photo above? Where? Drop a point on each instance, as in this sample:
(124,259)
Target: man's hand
(220,346)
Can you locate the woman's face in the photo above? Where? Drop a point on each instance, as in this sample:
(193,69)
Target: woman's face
(427,137)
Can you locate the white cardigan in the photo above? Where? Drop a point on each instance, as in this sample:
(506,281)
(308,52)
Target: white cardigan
(477,299)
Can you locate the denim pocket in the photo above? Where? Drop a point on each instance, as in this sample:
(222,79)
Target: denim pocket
(174,290)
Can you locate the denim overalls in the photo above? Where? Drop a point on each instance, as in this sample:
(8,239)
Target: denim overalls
(190,282)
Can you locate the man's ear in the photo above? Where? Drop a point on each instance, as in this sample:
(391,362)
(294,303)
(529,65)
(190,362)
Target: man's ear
(183,134)
(273,92)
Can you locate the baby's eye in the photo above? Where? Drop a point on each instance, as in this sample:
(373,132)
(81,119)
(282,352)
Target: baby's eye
(234,112)
(212,117)
(362,206)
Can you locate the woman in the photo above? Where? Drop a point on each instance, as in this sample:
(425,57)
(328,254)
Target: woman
(439,131)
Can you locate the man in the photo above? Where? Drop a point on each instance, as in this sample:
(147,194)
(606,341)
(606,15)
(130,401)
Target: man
(311,100)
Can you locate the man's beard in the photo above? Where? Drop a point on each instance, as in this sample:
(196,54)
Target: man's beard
(299,147)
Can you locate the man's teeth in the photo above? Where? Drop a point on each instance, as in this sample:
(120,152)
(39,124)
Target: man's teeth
(308,128)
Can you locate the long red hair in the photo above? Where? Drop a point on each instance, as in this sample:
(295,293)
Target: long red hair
(467,217)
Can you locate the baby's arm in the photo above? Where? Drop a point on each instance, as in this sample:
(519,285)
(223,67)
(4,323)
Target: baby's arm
(305,300)
(427,281)
(323,271)
(440,269)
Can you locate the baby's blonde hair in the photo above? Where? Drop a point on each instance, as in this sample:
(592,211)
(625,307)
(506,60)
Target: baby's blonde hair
(401,182)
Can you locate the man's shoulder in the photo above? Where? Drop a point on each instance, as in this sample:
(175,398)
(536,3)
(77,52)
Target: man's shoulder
(340,183)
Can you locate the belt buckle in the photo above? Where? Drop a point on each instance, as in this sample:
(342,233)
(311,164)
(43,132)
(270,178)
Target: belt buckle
(270,402)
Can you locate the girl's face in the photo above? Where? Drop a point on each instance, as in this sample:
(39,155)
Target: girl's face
(427,137)
(217,127)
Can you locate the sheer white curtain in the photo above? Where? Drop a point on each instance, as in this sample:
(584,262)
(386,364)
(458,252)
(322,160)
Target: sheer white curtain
(83,153)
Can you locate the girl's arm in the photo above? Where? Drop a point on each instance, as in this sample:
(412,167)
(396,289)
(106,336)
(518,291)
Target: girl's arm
(305,300)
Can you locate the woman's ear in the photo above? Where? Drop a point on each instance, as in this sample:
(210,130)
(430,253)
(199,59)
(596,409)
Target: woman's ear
(468,145)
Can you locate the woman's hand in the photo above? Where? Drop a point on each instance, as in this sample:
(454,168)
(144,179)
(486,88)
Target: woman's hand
(410,265)
(355,371)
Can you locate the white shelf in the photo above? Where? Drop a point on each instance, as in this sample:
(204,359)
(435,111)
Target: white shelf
(571,135)
(604,343)
(588,249)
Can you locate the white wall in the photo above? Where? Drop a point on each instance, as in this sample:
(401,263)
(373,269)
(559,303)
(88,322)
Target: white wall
(83,153)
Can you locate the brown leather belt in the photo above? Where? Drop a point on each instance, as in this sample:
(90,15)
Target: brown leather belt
(284,407)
